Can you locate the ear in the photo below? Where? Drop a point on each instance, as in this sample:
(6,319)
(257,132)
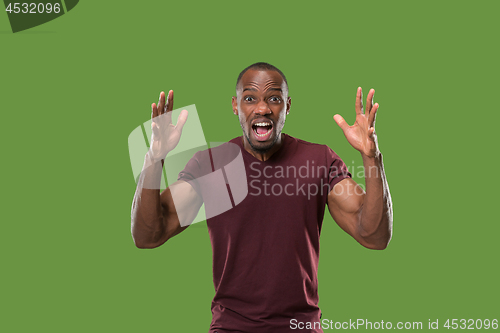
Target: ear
(288,105)
(234,101)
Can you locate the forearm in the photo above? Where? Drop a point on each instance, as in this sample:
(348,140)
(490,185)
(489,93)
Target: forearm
(147,217)
(376,211)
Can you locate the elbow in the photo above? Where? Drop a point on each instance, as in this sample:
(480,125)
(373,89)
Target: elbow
(378,243)
(143,243)
(140,245)
(384,242)
(379,237)
(376,246)
(379,246)
(147,242)
(142,238)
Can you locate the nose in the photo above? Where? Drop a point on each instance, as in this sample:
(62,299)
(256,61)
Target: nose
(262,108)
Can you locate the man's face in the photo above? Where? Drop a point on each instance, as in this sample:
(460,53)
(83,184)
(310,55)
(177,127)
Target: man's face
(262,104)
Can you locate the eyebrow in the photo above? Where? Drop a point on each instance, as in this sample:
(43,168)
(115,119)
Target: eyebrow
(253,89)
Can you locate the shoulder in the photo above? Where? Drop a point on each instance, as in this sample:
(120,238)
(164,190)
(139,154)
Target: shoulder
(218,155)
(217,148)
(316,148)
(237,140)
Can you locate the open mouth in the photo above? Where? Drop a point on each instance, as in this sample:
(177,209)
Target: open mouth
(262,130)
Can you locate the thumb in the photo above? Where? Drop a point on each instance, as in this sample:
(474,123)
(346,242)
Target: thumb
(371,132)
(341,122)
(155,128)
(181,120)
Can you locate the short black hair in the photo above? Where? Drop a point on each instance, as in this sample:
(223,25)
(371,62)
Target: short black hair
(262,66)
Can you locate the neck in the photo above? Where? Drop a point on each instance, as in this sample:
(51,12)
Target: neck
(263,155)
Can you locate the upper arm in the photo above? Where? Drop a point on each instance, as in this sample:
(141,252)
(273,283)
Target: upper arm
(345,202)
(180,204)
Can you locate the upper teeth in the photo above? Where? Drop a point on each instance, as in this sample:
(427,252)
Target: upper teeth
(262,124)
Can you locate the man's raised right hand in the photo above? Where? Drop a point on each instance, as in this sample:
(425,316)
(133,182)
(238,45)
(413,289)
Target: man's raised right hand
(165,135)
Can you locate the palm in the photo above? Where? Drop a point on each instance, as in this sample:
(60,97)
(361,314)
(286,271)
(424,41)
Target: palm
(361,135)
(165,135)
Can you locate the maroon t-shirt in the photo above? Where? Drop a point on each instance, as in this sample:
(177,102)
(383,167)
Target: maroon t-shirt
(266,248)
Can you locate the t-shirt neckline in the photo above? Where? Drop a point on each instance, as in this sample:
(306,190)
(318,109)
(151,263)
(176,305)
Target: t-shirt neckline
(286,142)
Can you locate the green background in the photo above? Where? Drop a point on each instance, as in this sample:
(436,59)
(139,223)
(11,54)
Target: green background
(74,88)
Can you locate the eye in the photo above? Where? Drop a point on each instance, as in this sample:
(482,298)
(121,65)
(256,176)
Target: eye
(275,99)
(248,99)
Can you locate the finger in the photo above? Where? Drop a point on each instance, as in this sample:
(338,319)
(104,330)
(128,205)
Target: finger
(371,132)
(371,116)
(369,101)
(154,110)
(341,122)
(170,101)
(181,120)
(161,103)
(359,102)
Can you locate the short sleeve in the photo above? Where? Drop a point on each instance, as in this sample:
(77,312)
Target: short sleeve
(195,169)
(338,169)
(205,169)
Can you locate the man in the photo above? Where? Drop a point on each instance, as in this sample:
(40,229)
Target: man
(266,248)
